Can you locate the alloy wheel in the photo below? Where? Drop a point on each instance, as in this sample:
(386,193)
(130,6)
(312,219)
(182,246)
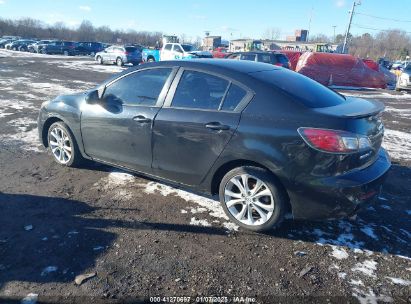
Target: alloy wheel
(249,200)
(60,145)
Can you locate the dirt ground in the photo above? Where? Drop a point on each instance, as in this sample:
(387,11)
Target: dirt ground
(145,239)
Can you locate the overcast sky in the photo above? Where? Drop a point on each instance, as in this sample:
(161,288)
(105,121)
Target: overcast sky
(229,18)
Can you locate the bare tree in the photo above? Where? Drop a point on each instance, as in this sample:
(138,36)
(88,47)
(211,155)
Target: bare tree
(272,33)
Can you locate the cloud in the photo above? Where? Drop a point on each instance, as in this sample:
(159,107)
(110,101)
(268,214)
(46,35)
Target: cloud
(340,3)
(85,8)
(198,17)
(2,2)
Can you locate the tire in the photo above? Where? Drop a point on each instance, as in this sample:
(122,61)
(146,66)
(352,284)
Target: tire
(43,51)
(66,151)
(100,60)
(119,62)
(92,54)
(271,208)
(14,49)
(66,53)
(151,59)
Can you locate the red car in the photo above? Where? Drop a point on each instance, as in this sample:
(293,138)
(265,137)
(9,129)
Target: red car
(220,52)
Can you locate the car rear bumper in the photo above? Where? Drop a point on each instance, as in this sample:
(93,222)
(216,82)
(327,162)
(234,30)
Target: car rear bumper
(343,195)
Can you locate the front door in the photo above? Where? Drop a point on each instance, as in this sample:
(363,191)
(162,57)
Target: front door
(118,129)
(195,125)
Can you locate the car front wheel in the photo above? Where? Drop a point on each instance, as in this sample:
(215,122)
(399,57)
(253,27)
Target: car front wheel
(63,146)
(252,199)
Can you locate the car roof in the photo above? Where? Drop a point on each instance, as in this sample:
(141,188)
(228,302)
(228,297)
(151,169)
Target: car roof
(217,65)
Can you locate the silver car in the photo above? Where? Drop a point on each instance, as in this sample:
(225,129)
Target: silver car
(120,55)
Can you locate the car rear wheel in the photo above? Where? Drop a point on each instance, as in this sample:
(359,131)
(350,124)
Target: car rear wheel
(252,199)
(151,59)
(100,60)
(65,53)
(119,62)
(63,145)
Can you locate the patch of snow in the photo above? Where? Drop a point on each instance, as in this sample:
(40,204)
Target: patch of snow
(356,282)
(398,144)
(342,275)
(339,253)
(184,211)
(399,281)
(214,207)
(198,222)
(367,267)
(369,297)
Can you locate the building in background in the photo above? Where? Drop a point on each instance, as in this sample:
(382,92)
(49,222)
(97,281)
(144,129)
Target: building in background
(299,35)
(211,42)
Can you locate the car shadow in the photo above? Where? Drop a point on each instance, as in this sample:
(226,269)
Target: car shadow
(384,226)
(49,239)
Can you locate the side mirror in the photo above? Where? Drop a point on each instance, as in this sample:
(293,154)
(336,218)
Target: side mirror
(94,97)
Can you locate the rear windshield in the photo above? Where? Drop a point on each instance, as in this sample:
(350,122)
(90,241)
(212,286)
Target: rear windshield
(131,49)
(309,92)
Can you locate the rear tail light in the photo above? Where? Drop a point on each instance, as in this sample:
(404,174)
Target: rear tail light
(126,53)
(334,141)
(278,64)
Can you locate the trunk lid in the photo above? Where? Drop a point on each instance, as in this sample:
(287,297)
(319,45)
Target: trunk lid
(362,117)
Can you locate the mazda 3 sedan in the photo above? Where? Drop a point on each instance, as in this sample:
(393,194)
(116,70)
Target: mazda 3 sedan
(265,139)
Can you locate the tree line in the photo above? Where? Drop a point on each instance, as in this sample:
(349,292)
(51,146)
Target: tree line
(33,28)
(394,44)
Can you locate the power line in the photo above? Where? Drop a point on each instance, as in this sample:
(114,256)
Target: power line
(375,29)
(383,18)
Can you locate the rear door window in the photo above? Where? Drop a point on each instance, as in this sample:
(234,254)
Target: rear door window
(138,89)
(198,90)
(168,47)
(233,98)
(131,49)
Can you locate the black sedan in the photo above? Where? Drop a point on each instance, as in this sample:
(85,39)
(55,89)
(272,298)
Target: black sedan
(266,139)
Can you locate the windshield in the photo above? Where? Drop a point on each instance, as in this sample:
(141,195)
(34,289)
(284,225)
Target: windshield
(188,48)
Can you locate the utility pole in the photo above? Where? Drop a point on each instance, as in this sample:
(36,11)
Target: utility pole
(334,26)
(309,24)
(354,4)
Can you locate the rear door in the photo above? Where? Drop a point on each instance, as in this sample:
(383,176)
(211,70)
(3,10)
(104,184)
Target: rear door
(200,115)
(118,129)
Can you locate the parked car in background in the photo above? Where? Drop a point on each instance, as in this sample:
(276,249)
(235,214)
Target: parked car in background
(66,48)
(21,45)
(119,55)
(34,47)
(266,139)
(274,58)
(176,51)
(220,52)
(404,79)
(89,48)
(3,42)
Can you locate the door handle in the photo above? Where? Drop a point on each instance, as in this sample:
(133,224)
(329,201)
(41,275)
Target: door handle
(217,126)
(141,119)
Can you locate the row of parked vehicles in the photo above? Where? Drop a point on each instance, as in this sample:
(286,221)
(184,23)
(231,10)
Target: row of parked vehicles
(52,46)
